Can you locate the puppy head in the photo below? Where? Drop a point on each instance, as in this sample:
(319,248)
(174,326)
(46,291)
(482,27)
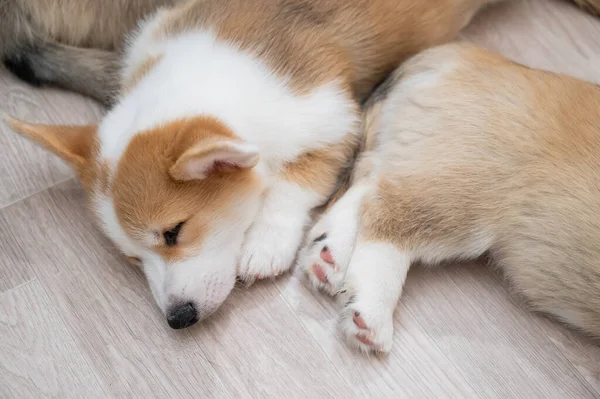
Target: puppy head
(176,201)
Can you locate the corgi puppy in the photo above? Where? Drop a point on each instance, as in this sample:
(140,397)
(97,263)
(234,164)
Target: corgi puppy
(234,122)
(467,153)
(70,43)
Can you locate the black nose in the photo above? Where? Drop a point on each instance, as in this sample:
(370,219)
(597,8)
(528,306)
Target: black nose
(182,316)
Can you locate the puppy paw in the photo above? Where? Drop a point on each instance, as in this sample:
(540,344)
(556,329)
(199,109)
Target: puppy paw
(323,261)
(367,327)
(326,257)
(268,251)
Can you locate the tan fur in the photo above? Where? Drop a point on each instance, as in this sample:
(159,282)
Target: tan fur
(77,145)
(478,153)
(74,43)
(308,40)
(319,170)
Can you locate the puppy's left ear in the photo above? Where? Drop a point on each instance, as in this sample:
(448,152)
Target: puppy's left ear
(72,143)
(207,158)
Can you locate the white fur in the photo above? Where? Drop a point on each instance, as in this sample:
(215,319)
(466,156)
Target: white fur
(273,240)
(375,278)
(199,75)
(141,44)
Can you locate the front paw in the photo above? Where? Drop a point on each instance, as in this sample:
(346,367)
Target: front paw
(269,250)
(367,326)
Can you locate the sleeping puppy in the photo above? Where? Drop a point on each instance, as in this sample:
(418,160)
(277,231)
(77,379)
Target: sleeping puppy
(468,153)
(234,122)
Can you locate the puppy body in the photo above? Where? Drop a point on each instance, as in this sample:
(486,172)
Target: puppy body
(75,44)
(468,153)
(235,121)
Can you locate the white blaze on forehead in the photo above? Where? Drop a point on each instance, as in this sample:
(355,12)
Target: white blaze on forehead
(112,227)
(198,75)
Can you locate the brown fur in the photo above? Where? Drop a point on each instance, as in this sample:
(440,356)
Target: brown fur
(319,170)
(494,152)
(149,197)
(146,195)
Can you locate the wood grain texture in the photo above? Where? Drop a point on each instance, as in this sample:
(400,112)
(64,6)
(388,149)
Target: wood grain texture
(548,34)
(15,266)
(38,355)
(77,321)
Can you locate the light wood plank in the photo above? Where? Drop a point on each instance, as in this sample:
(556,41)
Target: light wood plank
(15,269)
(458,334)
(106,304)
(548,34)
(416,368)
(38,356)
(262,349)
(497,345)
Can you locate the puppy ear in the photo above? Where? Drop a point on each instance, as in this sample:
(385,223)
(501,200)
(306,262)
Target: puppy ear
(207,158)
(72,143)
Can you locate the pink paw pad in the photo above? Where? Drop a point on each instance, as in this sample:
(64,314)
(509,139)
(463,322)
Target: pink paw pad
(326,256)
(358,320)
(360,323)
(320,273)
(364,339)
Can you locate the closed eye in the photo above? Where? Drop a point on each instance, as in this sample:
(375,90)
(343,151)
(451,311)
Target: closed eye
(171,236)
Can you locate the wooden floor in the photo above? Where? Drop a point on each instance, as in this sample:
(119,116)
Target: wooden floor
(75,321)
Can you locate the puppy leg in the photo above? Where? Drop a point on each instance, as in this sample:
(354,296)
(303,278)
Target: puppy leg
(373,285)
(326,256)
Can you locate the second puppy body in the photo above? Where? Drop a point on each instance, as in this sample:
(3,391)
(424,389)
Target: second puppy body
(468,153)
